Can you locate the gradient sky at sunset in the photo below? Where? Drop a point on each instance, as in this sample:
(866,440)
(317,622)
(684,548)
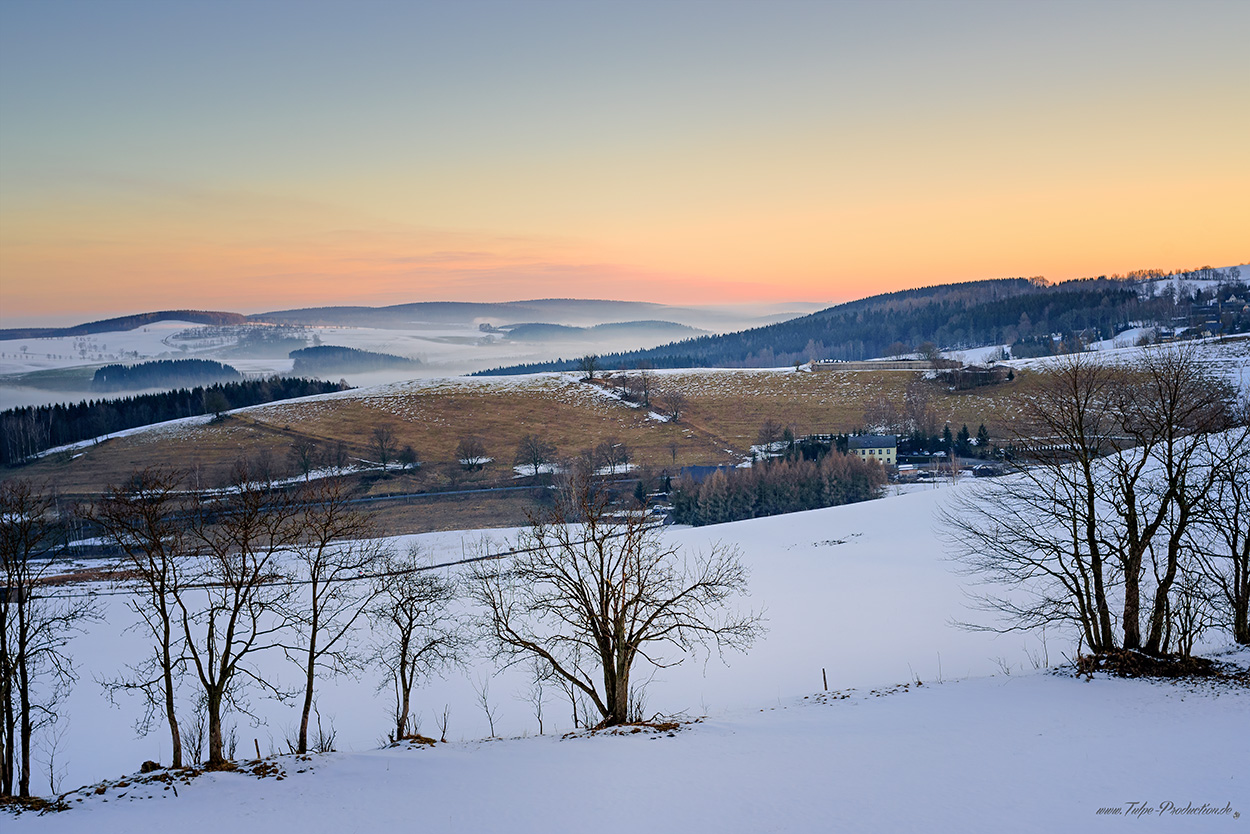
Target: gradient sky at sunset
(263,155)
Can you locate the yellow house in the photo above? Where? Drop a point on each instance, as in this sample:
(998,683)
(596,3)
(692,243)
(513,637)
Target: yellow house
(879,447)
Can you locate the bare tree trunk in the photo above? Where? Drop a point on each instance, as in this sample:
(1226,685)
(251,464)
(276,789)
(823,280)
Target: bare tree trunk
(1159,613)
(10,719)
(616,684)
(170,715)
(23,671)
(405,701)
(1102,609)
(216,749)
(302,747)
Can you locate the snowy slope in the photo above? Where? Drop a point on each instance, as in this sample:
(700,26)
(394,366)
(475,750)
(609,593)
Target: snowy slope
(862,591)
(1032,753)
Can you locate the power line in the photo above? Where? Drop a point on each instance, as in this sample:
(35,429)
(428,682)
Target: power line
(294,583)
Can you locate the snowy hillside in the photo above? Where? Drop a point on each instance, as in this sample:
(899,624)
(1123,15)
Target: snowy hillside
(861,591)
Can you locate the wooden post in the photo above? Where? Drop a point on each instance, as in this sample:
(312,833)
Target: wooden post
(824,677)
(256,741)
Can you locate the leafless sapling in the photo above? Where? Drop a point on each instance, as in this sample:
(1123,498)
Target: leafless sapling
(334,545)
(418,633)
(234,608)
(146,520)
(35,625)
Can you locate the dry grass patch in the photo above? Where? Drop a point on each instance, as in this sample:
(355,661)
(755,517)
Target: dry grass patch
(725,410)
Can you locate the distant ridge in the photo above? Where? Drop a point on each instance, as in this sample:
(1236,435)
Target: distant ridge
(539,331)
(457,312)
(124,323)
(573,312)
(955,315)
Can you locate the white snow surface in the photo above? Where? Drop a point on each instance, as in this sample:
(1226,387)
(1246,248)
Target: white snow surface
(863,592)
(1036,753)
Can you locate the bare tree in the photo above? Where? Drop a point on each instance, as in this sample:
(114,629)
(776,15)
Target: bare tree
(898,349)
(1223,545)
(1165,403)
(590,591)
(535,693)
(1039,533)
(35,670)
(146,521)
(611,454)
(333,547)
(408,457)
(303,455)
(588,365)
(471,453)
(233,609)
(336,456)
(382,445)
(672,404)
(481,688)
(882,415)
(1121,468)
(262,467)
(646,383)
(929,352)
(769,436)
(441,720)
(918,412)
(421,634)
(535,452)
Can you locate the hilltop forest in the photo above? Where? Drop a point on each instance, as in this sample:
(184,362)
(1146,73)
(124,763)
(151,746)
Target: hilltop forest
(1011,311)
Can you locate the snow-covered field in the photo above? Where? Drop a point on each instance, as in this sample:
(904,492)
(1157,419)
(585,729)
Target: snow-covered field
(987,743)
(1033,753)
(1228,359)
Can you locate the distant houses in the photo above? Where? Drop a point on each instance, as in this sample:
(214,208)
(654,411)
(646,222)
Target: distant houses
(879,447)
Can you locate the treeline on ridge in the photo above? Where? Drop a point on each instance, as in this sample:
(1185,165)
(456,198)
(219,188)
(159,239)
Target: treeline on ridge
(124,323)
(29,430)
(162,373)
(336,359)
(951,316)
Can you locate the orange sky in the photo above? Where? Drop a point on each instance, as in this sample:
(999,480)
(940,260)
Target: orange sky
(375,154)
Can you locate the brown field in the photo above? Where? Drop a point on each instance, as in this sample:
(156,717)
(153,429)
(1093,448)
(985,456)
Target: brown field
(725,410)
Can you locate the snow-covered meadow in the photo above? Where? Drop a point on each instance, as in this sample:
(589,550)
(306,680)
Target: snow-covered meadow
(862,592)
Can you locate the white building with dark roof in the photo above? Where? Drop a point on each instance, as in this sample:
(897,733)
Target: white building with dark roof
(879,447)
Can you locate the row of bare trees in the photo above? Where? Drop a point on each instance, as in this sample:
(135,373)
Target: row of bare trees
(1130,521)
(218,583)
(35,671)
(261,570)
